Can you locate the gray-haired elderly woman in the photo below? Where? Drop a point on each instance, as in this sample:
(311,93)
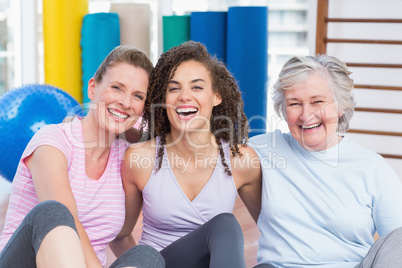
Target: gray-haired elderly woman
(323,195)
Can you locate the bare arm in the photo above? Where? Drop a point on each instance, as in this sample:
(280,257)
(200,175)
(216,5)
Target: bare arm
(48,167)
(125,239)
(131,174)
(248,177)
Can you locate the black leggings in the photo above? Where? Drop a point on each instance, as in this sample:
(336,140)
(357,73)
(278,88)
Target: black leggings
(21,249)
(217,243)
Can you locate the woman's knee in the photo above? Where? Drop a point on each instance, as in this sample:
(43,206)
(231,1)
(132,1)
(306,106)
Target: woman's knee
(51,211)
(226,219)
(140,256)
(264,265)
(46,216)
(143,250)
(37,224)
(397,231)
(50,207)
(226,224)
(396,234)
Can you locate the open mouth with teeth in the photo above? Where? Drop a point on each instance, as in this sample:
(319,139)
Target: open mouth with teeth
(117,114)
(312,126)
(186,112)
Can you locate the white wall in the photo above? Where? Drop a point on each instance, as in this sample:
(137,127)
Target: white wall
(370,53)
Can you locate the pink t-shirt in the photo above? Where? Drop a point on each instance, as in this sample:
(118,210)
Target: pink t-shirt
(100,203)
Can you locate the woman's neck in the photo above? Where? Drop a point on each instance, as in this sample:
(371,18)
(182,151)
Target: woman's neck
(96,138)
(189,144)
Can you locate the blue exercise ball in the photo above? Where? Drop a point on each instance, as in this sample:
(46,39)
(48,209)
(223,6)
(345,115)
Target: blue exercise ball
(23,112)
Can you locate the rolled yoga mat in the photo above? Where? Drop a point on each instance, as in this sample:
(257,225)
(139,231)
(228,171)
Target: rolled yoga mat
(209,28)
(176,30)
(247,59)
(99,35)
(62,21)
(135,25)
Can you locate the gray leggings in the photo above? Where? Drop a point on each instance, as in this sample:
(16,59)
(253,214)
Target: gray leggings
(21,249)
(217,243)
(386,252)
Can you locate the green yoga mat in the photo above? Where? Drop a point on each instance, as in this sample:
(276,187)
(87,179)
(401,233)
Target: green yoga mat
(176,30)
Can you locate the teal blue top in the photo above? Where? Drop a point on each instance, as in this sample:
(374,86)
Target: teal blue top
(321,209)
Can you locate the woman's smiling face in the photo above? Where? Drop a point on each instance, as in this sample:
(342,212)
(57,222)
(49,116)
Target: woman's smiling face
(119,97)
(190,97)
(312,114)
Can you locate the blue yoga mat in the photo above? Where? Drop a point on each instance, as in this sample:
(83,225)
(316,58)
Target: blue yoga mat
(100,33)
(209,28)
(247,59)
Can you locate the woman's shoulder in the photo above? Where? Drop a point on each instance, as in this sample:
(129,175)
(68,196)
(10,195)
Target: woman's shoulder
(353,152)
(143,147)
(245,160)
(354,149)
(141,151)
(269,139)
(66,130)
(52,129)
(245,151)
(138,163)
(53,134)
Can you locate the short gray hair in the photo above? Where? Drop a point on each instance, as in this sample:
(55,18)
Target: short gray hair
(299,69)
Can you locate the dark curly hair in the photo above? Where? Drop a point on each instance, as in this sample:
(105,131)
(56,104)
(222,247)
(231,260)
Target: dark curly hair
(228,121)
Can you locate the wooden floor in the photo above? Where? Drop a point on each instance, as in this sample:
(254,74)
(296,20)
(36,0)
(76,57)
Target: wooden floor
(250,232)
(249,227)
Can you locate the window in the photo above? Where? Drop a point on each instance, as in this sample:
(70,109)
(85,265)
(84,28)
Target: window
(288,36)
(9,45)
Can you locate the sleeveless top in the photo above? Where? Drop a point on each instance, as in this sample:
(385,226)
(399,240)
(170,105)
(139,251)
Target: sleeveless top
(100,203)
(168,214)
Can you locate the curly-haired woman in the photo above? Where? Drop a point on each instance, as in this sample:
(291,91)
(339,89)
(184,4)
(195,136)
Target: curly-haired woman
(189,174)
